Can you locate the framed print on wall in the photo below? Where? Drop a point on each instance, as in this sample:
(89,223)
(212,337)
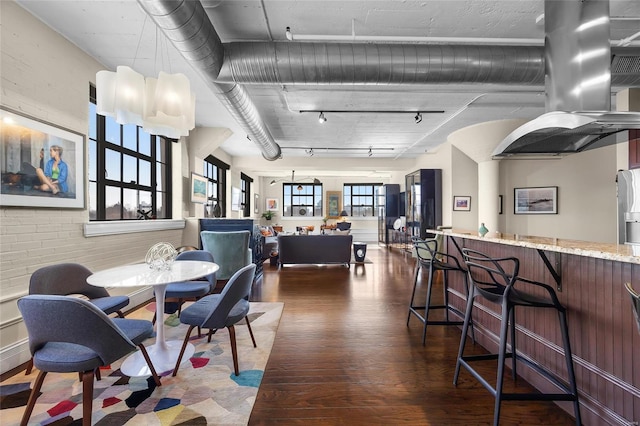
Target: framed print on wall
(536,200)
(461,203)
(42,165)
(333,204)
(272,204)
(198,188)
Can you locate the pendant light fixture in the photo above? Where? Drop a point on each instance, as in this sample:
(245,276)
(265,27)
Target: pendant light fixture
(164,106)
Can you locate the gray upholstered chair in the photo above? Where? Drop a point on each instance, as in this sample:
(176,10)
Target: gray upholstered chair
(177,293)
(68,334)
(221,310)
(64,279)
(635,302)
(230,250)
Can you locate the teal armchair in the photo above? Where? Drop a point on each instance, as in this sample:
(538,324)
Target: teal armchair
(229,249)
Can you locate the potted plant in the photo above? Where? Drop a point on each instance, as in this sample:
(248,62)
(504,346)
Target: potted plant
(269,214)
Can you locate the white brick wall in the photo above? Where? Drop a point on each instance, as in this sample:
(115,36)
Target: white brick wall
(46,77)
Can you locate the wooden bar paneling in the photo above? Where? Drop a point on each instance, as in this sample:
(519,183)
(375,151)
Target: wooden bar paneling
(602,329)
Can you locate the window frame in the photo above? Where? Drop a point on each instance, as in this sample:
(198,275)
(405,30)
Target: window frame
(317,195)
(245,194)
(215,171)
(348,197)
(99,146)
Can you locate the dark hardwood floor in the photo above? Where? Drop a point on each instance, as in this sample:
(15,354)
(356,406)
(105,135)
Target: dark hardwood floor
(343,354)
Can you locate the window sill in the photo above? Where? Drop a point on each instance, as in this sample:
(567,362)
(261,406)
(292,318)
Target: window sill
(95,229)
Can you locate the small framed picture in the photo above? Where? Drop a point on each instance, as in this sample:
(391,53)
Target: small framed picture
(461,203)
(540,200)
(499,204)
(272,204)
(198,188)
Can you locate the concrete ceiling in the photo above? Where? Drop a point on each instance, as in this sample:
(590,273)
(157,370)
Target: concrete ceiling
(120,33)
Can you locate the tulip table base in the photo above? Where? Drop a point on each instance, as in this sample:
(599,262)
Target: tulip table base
(163,356)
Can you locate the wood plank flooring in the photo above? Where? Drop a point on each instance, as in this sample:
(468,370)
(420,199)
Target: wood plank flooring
(343,354)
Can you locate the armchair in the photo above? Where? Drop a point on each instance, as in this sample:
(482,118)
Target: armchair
(230,250)
(89,341)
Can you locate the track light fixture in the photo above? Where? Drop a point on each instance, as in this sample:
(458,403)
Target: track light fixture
(309,151)
(418,117)
(370,152)
(322,118)
(288,34)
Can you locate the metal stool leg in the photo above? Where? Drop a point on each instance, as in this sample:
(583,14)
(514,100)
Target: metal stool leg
(568,356)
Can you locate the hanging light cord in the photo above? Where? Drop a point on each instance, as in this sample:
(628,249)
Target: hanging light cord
(144,23)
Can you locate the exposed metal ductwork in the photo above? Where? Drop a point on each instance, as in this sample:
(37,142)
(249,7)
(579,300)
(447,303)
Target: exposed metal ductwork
(359,63)
(226,66)
(353,63)
(188,27)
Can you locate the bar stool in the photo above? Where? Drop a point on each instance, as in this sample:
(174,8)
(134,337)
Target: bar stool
(429,257)
(494,279)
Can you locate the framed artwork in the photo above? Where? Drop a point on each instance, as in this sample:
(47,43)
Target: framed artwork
(499,204)
(272,204)
(198,188)
(461,203)
(256,200)
(236,204)
(535,200)
(42,165)
(333,204)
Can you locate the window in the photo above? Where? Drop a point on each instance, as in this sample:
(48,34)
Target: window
(245,197)
(301,200)
(129,170)
(362,199)
(216,173)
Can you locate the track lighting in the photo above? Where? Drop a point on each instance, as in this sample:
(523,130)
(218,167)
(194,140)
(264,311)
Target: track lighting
(309,151)
(370,152)
(418,117)
(322,118)
(273,182)
(288,34)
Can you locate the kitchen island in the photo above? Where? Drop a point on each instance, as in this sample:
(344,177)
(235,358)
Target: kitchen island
(589,279)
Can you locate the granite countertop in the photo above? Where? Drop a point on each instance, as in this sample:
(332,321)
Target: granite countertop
(619,252)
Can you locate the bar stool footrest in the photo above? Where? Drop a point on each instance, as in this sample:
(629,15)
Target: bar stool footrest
(568,395)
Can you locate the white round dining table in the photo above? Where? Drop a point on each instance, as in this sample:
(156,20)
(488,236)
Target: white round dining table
(163,354)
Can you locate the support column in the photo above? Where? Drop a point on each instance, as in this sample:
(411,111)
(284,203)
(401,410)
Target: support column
(488,184)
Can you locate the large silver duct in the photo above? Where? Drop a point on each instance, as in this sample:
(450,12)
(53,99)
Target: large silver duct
(403,64)
(360,63)
(187,25)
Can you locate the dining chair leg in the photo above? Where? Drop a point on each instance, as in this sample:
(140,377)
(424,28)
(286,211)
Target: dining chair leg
(155,315)
(234,350)
(212,331)
(98,374)
(145,354)
(87,397)
(184,346)
(29,367)
(120,314)
(32,398)
(246,319)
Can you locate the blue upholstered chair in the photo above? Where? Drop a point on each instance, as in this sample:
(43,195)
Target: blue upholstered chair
(343,226)
(230,250)
(65,279)
(221,310)
(68,334)
(177,293)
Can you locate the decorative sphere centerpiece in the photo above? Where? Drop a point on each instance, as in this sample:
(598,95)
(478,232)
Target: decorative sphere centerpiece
(161,256)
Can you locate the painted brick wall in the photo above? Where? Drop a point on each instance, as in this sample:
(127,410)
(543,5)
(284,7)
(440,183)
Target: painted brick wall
(46,77)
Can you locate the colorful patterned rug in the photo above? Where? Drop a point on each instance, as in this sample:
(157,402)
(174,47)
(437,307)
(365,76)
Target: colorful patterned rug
(205,391)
